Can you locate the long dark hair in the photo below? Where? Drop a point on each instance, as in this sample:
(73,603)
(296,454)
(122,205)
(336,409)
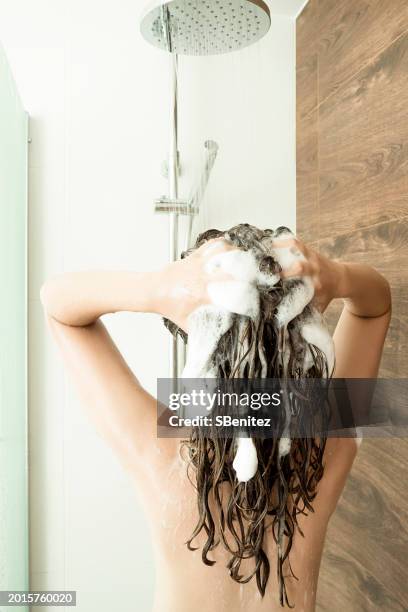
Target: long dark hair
(283,486)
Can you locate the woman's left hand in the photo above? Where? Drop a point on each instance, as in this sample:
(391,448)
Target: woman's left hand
(182,285)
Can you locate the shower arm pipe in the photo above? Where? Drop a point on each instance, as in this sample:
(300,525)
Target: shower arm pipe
(173,167)
(173,171)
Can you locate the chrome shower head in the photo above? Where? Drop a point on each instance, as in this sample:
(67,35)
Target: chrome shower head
(205,27)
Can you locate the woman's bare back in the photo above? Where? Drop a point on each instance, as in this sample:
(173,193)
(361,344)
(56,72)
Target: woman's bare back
(185,583)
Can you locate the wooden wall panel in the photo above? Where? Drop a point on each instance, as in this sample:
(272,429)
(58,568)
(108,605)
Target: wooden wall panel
(306,122)
(307,176)
(352,33)
(352,203)
(364,564)
(385,246)
(363,145)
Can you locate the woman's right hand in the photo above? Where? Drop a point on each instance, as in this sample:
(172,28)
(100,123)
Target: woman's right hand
(326,274)
(366,293)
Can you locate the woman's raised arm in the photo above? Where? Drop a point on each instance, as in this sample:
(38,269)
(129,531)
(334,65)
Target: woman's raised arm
(123,412)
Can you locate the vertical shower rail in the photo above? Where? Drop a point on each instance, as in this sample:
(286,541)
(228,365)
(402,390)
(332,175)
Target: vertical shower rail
(173,172)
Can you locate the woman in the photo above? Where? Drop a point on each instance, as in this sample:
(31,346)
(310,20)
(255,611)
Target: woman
(125,415)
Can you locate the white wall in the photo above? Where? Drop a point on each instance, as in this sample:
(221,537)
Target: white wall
(290,8)
(97,96)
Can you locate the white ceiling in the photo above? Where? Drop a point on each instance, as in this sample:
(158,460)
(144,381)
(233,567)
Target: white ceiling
(291,8)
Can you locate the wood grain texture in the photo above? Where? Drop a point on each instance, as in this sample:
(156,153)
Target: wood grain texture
(351,33)
(306,58)
(307,42)
(363,145)
(307,180)
(384,246)
(352,204)
(307,176)
(364,565)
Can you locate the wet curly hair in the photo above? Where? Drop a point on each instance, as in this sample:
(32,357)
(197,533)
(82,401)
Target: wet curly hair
(283,487)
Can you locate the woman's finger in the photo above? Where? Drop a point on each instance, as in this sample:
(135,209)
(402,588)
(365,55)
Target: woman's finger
(294,244)
(300,268)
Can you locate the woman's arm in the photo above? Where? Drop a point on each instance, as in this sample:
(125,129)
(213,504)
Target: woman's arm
(80,298)
(365,292)
(363,324)
(123,412)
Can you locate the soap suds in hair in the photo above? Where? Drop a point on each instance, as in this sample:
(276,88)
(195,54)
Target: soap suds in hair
(245,463)
(314,331)
(206,325)
(295,301)
(243,266)
(302,290)
(240,297)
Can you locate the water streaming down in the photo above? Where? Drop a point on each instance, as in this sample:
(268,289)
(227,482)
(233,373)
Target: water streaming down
(230,99)
(205,27)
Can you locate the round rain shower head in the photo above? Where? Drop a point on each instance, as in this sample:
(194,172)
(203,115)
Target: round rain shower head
(205,27)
